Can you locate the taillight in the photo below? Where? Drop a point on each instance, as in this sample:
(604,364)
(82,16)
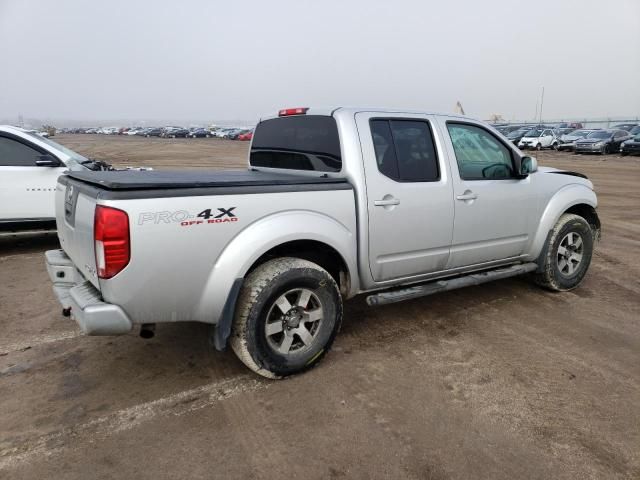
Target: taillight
(111,235)
(285,112)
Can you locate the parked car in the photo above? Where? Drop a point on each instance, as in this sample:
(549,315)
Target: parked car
(539,138)
(230,133)
(29,167)
(175,132)
(631,146)
(245,136)
(573,125)
(602,141)
(200,133)
(563,131)
(284,250)
(624,126)
(516,135)
(568,141)
(152,132)
(236,133)
(634,131)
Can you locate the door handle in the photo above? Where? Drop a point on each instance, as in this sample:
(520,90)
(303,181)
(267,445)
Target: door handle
(386,202)
(468,195)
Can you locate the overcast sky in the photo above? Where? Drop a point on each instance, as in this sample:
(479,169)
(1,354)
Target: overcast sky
(210,60)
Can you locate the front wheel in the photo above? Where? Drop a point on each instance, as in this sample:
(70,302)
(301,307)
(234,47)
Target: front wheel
(538,147)
(287,316)
(567,255)
(605,150)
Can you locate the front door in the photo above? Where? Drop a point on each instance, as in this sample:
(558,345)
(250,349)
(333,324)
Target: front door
(27,192)
(409,195)
(493,209)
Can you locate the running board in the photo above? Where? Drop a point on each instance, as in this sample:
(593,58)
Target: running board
(393,296)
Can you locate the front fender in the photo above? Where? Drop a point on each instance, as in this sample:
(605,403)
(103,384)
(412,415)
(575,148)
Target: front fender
(561,201)
(261,236)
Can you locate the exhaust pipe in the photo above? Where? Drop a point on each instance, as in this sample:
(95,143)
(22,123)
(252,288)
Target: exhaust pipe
(148,330)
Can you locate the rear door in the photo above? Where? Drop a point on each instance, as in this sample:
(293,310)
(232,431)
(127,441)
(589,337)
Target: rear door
(494,210)
(409,195)
(26,191)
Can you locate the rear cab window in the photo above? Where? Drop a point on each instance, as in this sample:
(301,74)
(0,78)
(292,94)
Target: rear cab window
(301,142)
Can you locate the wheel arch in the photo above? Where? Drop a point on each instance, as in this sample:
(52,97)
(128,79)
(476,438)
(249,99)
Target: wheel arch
(302,234)
(575,198)
(314,251)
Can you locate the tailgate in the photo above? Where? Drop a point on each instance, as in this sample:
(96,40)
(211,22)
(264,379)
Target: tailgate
(75,210)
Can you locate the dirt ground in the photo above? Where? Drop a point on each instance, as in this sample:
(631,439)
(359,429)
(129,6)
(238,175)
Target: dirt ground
(500,381)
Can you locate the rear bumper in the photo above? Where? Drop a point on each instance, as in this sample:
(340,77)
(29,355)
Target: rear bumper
(94,316)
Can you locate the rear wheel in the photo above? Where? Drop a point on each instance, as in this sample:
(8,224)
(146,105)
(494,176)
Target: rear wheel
(288,314)
(554,146)
(568,254)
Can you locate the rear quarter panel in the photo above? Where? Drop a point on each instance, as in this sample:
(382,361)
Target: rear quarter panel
(182,266)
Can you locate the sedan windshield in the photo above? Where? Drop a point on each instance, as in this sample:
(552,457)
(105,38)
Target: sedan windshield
(579,133)
(599,134)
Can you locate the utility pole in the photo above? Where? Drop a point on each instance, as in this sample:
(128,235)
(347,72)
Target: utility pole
(541,105)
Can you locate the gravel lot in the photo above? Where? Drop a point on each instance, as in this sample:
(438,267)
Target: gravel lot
(498,381)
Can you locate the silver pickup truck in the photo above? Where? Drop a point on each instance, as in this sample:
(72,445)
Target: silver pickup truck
(334,203)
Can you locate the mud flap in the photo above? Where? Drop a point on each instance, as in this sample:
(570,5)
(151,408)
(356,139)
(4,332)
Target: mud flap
(219,334)
(543,253)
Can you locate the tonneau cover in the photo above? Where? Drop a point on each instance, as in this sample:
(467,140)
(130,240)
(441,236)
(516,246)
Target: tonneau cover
(181,179)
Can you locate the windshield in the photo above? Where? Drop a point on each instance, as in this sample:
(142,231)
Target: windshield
(74,157)
(600,134)
(579,133)
(536,132)
(634,131)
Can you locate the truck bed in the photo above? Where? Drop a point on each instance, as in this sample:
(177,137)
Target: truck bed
(156,179)
(178,183)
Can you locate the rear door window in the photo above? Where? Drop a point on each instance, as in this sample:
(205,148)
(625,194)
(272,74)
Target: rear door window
(405,150)
(302,142)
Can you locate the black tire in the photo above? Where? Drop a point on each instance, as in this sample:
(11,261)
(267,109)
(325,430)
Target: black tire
(554,146)
(258,308)
(559,272)
(538,147)
(606,150)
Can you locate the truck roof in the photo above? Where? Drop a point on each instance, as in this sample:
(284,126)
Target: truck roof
(329,111)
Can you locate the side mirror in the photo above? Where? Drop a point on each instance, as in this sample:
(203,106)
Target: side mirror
(528,165)
(47,161)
